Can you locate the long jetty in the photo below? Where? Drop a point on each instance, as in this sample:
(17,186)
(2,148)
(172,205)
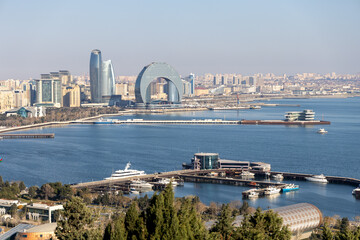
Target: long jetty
(206,122)
(203,176)
(30,135)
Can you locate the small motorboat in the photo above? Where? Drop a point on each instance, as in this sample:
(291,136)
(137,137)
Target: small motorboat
(322,131)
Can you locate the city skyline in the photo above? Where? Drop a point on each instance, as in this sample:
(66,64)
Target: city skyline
(201,37)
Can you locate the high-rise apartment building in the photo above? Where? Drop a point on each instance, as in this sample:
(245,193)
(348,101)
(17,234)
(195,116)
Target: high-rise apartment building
(102,80)
(65,77)
(48,90)
(71,96)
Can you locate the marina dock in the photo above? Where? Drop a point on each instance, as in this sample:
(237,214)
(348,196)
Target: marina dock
(203,176)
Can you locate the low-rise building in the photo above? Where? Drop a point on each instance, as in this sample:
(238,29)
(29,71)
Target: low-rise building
(44,231)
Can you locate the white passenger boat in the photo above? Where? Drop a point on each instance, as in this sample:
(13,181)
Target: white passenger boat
(278,176)
(127,172)
(317,178)
(271,190)
(322,131)
(247,174)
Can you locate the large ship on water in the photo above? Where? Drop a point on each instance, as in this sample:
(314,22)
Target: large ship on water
(127,172)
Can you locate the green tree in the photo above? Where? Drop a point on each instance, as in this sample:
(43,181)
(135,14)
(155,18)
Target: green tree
(77,219)
(326,233)
(108,232)
(263,225)
(15,188)
(22,186)
(46,191)
(171,222)
(1,181)
(13,210)
(33,190)
(224,225)
(154,216)
(131,218)
(345,232)
(119,232)
(191,225)
(244,207)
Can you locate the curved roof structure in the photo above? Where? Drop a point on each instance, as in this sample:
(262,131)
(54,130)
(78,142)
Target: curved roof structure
(153,71)
(300,217)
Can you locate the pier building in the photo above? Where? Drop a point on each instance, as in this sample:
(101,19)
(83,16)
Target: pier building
(202,161)
(306,115)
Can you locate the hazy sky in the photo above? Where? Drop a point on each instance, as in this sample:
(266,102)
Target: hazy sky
(197,36)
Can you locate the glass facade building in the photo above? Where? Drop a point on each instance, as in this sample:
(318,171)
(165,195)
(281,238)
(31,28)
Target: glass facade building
(206,160)
(102,79)
(107,79)
(95,76)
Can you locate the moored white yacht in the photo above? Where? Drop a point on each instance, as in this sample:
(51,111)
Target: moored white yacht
(140,184)
(278,176)
(251,193)
(247,174)
(125,173)
(271,190)
(317,178)
(166,181)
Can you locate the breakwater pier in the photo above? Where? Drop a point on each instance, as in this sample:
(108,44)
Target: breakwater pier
(223,176)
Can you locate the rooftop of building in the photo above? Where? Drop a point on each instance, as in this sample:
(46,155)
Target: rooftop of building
(48,227)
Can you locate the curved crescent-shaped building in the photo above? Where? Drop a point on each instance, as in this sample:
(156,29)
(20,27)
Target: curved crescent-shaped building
(152,72)
(300,217)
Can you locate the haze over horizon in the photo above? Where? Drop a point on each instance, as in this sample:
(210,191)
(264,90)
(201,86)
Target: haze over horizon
(244,37)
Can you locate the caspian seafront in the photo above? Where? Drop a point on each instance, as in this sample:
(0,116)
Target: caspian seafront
(82,153)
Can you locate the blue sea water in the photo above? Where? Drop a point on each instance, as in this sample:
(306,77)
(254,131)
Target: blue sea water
(80,153)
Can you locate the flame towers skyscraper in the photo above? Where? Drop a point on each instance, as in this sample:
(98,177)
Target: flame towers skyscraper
(102,80)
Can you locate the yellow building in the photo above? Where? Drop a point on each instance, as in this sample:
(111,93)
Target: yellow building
(7,100)
(71,96)
(201,91)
